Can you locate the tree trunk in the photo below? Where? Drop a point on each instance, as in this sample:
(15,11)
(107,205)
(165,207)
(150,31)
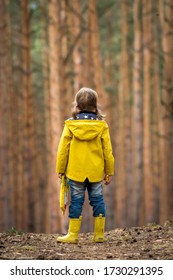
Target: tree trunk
(136,199)
(88,63)
(66,46)
(31,194)
(155,105)
(147,183)
(3,131)
(53,215)
(42,161)
(77,57)
(126,91)
(123,137)
(96,51)
(166,124)
(8,126)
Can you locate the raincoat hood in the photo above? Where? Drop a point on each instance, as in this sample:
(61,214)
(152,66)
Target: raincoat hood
(86,129)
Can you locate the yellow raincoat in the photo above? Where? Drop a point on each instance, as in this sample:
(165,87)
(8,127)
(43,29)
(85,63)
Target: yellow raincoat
(85,151)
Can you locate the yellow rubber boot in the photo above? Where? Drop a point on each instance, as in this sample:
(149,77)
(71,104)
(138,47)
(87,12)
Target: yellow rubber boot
(73,231)
(99,226)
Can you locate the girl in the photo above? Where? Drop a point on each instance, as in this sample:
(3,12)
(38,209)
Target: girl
(85,157)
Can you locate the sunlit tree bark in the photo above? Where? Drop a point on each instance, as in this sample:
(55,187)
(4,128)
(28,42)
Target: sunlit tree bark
(96,51)
(77,58)
(53,215)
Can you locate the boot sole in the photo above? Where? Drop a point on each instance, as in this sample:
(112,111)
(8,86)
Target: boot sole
(65,241)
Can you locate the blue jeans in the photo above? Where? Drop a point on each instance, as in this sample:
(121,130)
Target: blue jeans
(77,190)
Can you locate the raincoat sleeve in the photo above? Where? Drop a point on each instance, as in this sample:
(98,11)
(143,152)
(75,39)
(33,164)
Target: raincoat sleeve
(63,150)
(64,189)
(107,152)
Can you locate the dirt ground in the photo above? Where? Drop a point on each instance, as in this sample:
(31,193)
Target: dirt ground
(153,242)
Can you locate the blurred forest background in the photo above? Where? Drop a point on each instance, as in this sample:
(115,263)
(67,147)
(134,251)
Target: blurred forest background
(49,49)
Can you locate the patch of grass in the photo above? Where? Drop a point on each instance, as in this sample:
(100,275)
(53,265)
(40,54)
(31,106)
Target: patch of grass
(13,231)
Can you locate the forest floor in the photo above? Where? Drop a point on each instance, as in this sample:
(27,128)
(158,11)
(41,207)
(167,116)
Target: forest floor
(151,242)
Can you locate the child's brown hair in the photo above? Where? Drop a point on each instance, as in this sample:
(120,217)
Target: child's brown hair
(86,100)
